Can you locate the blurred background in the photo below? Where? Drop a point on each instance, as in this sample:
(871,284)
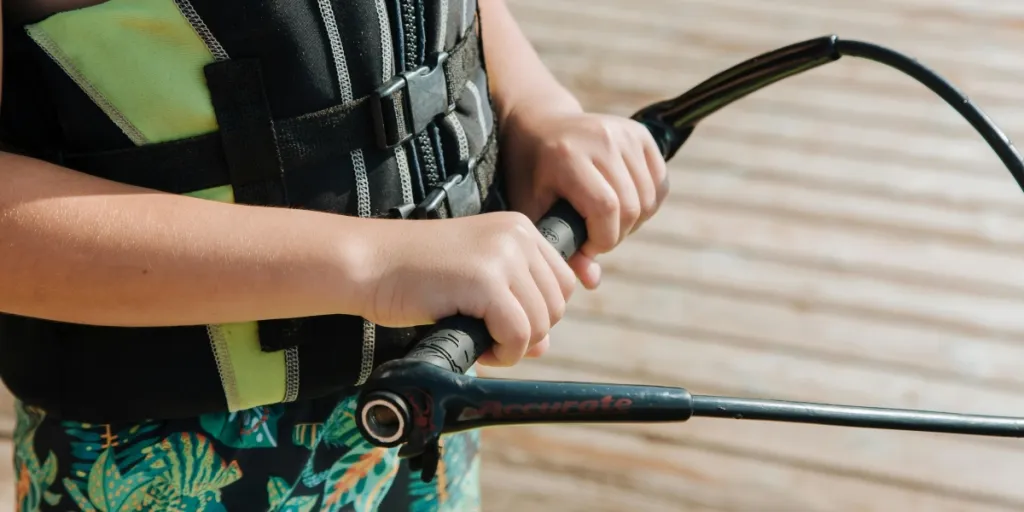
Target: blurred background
(841,236)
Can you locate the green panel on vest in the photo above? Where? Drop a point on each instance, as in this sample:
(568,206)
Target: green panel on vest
(142,62)
(142,57)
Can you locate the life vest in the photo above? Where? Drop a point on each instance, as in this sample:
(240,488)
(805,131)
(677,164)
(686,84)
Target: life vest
(356,107)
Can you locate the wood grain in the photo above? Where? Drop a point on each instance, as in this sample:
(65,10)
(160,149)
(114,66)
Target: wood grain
(842,236)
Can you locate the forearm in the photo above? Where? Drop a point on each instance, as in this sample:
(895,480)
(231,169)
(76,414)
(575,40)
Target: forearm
(80,249)
(516,73)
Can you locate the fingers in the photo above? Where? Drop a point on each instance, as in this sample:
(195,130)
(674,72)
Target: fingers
(540,348)
(563,273)
(587,269)
(536,301)
(649,172)
(618,187)
(624,181)
(509,324)
(596,199)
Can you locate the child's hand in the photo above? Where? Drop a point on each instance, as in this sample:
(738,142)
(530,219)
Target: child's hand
(496,267)
(609,168)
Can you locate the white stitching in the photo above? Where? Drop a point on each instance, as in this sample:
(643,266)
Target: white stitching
(55,53)
(460,133)
(358,163)
(442,26)
(484,129)
(291,379)
(199,26)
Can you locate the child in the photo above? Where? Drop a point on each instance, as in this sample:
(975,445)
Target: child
(198,264)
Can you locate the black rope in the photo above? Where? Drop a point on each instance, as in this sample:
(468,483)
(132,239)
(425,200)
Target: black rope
(995,137)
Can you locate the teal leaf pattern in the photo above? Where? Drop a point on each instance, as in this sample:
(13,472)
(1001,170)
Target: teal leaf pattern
(340,429)
(128,443)
(455,486)
(34,478)
(107,489)
(306,435)
(149,467)
(361,479)
(189,475)
(278,492)
(251,428)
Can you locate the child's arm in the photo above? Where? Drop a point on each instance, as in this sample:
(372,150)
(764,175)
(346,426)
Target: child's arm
(81,249)
(517,75)
(76,248)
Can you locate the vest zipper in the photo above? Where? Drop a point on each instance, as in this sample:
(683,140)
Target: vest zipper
(416,38)
(388,66)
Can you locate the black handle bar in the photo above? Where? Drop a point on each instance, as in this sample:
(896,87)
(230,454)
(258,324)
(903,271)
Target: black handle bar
(413,400)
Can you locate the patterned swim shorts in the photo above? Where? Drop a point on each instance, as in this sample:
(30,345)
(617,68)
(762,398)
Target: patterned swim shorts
(296,457)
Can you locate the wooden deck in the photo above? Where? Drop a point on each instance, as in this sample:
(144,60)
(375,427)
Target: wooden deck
(842,236)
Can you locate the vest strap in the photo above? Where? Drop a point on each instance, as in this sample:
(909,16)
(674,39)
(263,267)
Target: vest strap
(247,133)
(203,162)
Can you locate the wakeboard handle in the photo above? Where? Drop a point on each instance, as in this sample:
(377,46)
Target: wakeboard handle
(413,400)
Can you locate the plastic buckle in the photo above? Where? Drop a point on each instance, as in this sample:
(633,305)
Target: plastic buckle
(459,193)
(406,104)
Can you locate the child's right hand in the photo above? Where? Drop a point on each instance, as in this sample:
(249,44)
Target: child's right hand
(494,266)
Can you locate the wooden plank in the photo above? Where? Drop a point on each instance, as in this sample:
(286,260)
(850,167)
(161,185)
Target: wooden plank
(848,247)
(818,311)
(893,180)
(6,413)
(734,188)
(512,482)
(748,342)
(7,483)
(569,465)
(765,29)
(930,464)
(656,249)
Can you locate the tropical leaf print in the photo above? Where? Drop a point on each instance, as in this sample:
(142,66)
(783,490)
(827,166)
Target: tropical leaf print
(251,428)
(306,435)
(180,473)
(278,491)
(33,479)
(299,504)
(108,490)
(454,488)
(340,428)
(188,474)
(362,476)
(360,479)
(128,444)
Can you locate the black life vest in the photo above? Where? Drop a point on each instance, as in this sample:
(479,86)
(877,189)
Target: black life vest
(356,107)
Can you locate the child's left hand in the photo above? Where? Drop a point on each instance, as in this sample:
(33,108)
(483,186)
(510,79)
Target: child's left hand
(608,167)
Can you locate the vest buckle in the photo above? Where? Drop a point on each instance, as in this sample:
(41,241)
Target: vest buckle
(459,194)
(404,106)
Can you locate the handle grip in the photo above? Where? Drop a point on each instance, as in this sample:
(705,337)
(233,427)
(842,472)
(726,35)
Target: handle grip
(456,342)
